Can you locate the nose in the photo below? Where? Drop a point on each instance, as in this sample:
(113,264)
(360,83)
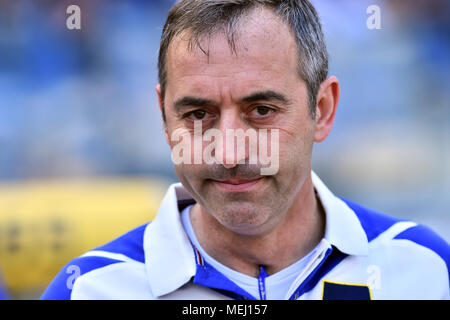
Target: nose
(233,150)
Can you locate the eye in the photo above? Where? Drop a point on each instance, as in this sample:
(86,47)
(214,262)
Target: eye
(199,114)
(261,111)
(196,115)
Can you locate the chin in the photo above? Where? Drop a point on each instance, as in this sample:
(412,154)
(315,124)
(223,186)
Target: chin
(244,218)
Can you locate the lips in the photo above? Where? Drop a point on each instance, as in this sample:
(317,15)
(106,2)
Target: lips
(237,184)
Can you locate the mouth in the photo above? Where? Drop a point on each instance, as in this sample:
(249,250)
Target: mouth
(233,185)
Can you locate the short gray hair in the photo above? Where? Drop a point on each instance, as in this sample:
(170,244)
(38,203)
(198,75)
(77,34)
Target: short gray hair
(206,17)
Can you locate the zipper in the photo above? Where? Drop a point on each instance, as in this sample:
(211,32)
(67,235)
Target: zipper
(262,283)
(317,259)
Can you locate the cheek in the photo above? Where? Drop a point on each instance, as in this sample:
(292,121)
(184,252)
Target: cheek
(189,175)
(188,172)
(295,150)
(297,141)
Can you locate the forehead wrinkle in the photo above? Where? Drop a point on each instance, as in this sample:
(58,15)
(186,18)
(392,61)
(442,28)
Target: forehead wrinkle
(187,63)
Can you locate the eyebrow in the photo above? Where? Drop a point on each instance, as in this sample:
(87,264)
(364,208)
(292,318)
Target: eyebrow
(189,101)
(267,95)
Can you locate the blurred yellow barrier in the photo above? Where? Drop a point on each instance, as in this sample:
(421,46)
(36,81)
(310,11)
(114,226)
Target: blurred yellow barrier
(45,224)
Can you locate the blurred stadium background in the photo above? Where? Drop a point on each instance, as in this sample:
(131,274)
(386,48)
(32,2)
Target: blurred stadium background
(82,153)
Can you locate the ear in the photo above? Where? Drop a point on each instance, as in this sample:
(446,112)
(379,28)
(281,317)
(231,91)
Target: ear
(327,101)
(161,108)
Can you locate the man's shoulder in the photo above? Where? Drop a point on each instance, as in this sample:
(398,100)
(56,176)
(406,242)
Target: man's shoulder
(384,230)
(129,245)
(127,248)
(373,222)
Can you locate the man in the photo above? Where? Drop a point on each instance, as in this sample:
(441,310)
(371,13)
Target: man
(231,229)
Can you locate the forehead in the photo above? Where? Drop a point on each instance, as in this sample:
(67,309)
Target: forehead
(265,49)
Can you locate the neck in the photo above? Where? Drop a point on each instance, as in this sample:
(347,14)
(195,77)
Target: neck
(294,237)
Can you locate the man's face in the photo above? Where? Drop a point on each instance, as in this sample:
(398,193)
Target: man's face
(256,87)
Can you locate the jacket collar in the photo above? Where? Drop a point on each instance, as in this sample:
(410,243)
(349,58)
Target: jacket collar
(169,256)
(342,227)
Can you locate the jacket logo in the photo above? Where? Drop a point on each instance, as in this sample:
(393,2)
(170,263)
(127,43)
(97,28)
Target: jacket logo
(333,290)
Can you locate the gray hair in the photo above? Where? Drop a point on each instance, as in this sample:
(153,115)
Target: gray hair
(203,18)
